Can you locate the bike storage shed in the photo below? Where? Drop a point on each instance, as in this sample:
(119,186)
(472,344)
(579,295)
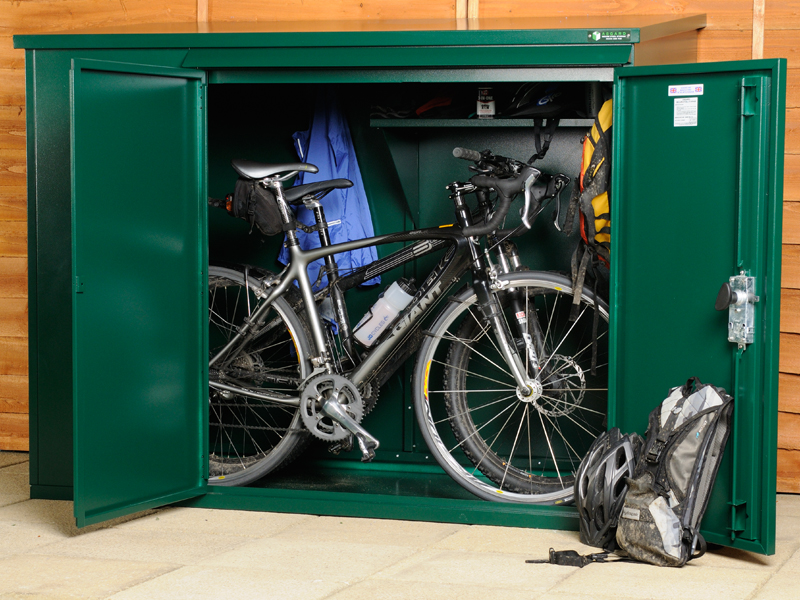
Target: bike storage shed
(129,130)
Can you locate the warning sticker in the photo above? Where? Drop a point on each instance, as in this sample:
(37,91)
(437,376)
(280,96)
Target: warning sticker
(692,89)
(685,112)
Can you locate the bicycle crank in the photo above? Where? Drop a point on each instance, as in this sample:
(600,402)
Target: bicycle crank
(331,409)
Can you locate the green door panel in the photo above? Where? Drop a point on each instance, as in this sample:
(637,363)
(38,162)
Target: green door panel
(139,256)
(696,199)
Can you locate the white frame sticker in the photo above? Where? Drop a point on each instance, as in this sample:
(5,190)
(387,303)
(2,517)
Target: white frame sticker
(690,89)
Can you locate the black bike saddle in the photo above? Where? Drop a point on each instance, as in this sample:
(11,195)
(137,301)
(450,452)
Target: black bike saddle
(256,170)
(295,195)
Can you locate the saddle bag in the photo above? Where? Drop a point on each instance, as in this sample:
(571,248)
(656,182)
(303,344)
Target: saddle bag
(256,205)
(672,481)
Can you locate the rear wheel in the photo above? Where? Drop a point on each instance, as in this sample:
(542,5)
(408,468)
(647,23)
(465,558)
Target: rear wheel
(251,436)
(492,439)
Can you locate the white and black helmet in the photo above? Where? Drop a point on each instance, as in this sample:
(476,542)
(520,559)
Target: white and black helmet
(600,485)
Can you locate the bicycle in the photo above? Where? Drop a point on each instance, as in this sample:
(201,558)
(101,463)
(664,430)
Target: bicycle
(510,381)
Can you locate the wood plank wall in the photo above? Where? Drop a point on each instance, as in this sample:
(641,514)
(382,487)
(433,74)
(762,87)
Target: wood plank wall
(737,30)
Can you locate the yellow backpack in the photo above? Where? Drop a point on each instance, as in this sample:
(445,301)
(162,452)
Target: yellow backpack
(595,210)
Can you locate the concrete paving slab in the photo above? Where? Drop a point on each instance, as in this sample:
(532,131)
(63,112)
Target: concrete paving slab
(56,516)
(14,487)
(787,529)
(20,537)
(484,569)
(306,558)
(62,576)
(212,583)
(550,595)
(237,522)
(20,468)
(373,589)
(533,543)
(792,565)
(788,505)
(12,458)
(372,531)
(731,558)
(782,586)
(181,548)
(656,583)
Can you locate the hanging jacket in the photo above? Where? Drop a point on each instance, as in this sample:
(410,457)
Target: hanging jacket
(328,145)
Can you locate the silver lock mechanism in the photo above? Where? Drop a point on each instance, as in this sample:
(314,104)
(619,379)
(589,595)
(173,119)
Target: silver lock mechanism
(738,296)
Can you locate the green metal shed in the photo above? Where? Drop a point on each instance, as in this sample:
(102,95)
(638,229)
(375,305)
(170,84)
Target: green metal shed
(130,128)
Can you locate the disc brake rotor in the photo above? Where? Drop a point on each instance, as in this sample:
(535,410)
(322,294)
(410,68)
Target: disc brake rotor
(563,389)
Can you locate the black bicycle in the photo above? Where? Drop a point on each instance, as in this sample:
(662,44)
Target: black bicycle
(510,382)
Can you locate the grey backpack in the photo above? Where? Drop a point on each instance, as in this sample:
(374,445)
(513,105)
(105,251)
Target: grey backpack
(669,492)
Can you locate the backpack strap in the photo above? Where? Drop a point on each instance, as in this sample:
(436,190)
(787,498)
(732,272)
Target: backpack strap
(570,558)
(549,130)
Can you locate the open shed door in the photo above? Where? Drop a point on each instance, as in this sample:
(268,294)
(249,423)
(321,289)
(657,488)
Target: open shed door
(139,256)
(697,193)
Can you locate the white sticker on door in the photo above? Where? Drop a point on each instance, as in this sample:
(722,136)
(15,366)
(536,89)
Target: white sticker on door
(692,89)
(685,112)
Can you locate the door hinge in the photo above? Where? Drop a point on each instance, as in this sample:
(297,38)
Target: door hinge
(78,285)
(738,517)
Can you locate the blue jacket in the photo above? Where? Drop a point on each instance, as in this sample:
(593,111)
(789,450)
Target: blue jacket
(328,145)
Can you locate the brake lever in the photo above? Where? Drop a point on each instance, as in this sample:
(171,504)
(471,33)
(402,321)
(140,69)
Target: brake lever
(562,181)
(528,196)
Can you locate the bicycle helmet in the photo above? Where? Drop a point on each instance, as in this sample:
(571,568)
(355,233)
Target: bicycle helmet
(600,485)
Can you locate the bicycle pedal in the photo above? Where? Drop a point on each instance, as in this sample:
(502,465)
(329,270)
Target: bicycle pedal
(346,445)
(367,447)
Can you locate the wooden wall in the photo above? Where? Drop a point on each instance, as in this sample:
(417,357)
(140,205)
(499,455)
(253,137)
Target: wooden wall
(737,29)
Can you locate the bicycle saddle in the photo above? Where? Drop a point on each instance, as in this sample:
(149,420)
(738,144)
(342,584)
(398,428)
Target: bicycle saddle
(295,195)
(256,170)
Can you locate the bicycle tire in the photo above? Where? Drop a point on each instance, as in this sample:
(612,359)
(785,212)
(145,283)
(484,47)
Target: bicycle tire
(250,437)
(492,441)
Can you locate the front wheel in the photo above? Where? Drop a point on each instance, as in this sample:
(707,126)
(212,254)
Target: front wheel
(494,440)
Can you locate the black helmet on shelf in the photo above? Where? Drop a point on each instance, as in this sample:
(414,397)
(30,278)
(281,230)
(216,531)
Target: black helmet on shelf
(600,485)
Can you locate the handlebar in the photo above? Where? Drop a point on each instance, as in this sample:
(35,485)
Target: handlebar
(467,154)
(508,177)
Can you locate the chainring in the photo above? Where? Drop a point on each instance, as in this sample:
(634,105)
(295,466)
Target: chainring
(319,389)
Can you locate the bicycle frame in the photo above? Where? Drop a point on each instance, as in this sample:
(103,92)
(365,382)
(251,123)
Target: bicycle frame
(447,272)
(442,277)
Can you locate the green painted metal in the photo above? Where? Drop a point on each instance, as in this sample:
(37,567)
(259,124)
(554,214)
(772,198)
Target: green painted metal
(692,206)
(33,294)
(138,269)
(417,56)
(429,75)
(49,215)
(352,33)
(387,491)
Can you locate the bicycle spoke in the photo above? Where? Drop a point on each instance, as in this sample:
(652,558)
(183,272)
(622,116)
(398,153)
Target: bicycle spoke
(511,387)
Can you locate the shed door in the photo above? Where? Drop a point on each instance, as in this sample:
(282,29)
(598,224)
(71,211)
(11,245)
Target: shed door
(697,190)
(139,256)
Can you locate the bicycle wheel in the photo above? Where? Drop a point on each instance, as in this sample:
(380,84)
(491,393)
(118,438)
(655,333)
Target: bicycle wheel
(492,440)
(249,436)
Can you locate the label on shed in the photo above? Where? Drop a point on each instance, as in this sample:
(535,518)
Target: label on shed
(604,35)
(685,112)
(692,89)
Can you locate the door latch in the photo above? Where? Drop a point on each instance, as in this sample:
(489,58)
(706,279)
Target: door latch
(738,296)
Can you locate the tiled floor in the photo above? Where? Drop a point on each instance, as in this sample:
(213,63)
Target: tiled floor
(188,553)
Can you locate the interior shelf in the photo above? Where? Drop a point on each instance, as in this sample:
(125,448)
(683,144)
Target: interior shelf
(385,123)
